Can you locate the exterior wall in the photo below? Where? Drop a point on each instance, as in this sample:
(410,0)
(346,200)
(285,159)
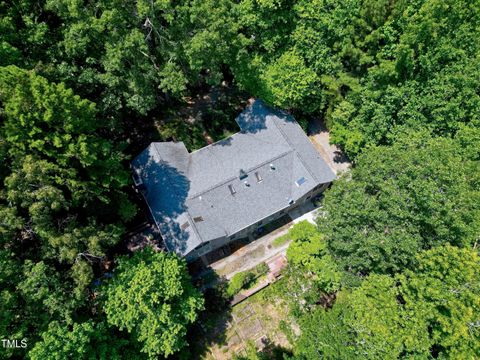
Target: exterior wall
(207,247)
(217,243)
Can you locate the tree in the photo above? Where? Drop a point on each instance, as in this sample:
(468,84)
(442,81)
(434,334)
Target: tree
(418,193)
(151,297)
(444,294)
(85,340)
(431,311)
(288,83)
(9,298)
(308,250)
(60,200)
(239,281)
(325,335)
(49,122)
(61,169)
(424,76)
(375,318)
(42,289)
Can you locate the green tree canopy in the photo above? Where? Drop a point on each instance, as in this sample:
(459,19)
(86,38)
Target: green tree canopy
(398,200)
(61,201)
(308,250)
(431,311)
(85,340)
(150,295)
(424,77)
(59,165)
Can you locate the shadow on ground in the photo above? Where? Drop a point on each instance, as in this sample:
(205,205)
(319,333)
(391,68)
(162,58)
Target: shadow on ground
(211,327)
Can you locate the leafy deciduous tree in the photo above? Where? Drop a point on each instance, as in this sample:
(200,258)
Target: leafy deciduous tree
(151,297)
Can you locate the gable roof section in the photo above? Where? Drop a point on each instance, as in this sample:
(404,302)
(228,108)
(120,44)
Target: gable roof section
(190,194)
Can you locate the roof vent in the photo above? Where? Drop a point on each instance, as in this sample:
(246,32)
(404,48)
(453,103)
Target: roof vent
(291,201)
(232,189)
(243,174)
(258,176)
(272,167)
(246,183)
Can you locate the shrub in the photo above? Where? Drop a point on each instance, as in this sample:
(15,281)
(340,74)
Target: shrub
(239,281)
(261,269)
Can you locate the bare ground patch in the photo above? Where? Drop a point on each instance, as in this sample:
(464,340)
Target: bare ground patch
(256,321)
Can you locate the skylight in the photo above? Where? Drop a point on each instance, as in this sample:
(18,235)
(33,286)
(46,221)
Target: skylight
(185,226)
(300,181)
(198,219)
(136,179)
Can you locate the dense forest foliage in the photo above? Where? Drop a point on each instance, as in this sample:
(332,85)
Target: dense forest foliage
(398,85)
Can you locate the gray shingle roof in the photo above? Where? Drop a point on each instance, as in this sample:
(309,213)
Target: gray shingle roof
(189,193)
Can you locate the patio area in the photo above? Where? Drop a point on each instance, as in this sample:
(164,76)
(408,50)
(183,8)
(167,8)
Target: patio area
(265,247)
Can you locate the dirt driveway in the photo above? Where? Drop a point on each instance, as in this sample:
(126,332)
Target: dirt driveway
(320,137)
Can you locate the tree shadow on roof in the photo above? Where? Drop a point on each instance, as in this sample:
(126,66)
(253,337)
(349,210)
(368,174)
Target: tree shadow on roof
(166,190)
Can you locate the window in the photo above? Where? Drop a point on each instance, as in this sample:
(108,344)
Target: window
(198,219)
(258,176)
(232,189)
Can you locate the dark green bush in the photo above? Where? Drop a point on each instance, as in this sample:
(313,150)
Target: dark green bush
(239,281)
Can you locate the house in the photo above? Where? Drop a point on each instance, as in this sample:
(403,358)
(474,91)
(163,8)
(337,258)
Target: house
(205,199)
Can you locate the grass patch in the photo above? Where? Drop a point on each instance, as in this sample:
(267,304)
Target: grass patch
(280,241)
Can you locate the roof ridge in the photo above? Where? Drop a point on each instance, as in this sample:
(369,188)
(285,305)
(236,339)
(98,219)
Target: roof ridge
(214,143)
(294,148)
(234,177)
